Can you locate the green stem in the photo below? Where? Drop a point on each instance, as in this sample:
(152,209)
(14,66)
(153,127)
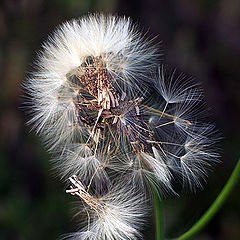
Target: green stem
(159,217)
(214,208)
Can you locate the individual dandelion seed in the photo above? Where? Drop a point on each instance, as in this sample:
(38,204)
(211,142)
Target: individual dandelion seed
(88,66)
(119,214)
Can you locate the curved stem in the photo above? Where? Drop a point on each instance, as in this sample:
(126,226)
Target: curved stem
(214,208)
(159,217)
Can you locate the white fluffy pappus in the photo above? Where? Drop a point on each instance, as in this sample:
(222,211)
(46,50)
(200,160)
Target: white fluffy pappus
(107,42)
(119,214)
(90,166)
(163,131)
(183,143)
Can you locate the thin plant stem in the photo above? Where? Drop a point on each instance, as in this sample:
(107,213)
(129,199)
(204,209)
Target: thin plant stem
(159,216)
(214,208)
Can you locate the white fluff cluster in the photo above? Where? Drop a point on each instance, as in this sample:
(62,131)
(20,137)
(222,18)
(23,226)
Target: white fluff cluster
(119,214)
(123,51)
(106,111)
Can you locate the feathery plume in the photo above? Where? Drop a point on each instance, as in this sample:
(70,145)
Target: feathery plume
(119,214)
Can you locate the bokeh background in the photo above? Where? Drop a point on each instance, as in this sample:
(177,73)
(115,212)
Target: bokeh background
(201,38)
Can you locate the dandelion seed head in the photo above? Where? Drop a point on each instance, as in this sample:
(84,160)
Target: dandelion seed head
(106,111)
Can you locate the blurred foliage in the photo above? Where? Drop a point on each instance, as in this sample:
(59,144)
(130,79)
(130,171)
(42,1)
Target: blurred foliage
(199,37)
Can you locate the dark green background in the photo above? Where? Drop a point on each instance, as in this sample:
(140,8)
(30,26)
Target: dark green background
(201,38)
